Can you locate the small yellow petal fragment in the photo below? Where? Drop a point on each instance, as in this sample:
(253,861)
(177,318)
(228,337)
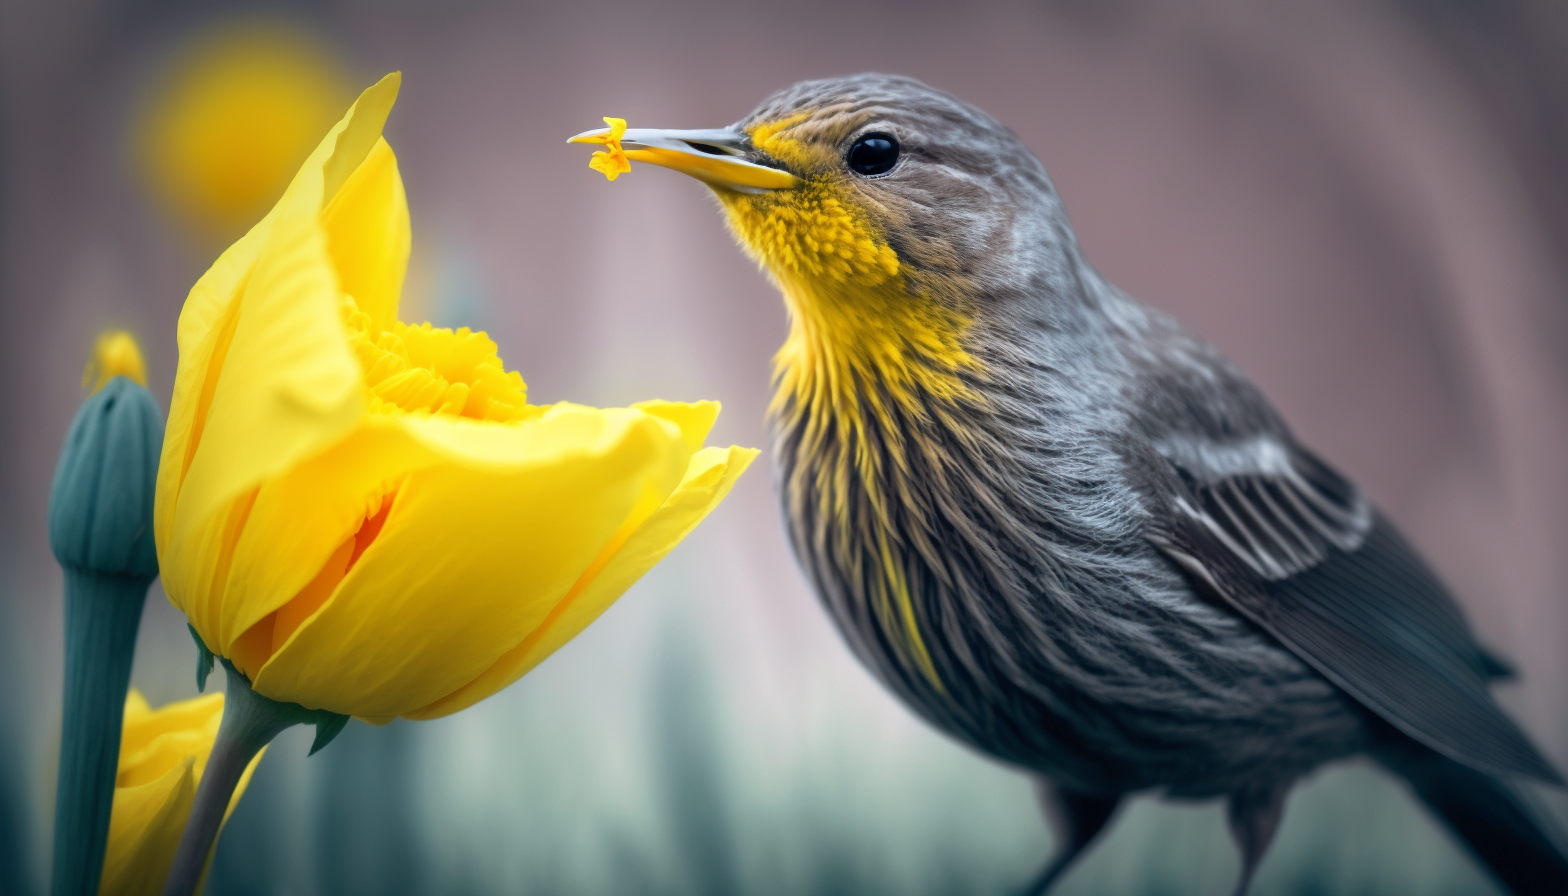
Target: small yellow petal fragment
(114,354)
(611,164)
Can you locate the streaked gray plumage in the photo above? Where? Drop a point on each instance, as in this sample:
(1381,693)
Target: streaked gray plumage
(1123,572)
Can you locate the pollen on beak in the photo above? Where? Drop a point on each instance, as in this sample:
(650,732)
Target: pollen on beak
(716,157)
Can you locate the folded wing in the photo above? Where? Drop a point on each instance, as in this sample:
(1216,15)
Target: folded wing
(1287,542)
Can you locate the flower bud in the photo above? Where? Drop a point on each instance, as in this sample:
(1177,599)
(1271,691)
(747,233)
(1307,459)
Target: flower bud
(100,526)
(100,506)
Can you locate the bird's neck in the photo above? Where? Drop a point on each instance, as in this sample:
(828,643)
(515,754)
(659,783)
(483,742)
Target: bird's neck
(867,382)
(861,356)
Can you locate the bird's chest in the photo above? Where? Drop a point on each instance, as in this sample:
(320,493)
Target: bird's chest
(890,529)
(983,607)
(861,522)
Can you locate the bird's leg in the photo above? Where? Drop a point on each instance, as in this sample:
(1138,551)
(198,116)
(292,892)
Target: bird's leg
(1075,818)
(1254,814)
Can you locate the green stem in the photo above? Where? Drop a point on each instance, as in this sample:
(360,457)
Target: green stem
(250,722)
(102,613)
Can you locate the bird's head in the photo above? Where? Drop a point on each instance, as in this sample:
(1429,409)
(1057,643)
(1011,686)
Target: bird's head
(906,229)
(892,216)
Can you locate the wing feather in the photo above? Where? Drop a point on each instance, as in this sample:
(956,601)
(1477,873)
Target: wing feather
(1297,549)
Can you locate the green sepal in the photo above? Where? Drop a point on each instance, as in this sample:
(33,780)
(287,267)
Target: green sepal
(203,660)
(328,726)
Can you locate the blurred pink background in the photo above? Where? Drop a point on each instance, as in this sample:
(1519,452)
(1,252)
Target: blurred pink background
(1364,204)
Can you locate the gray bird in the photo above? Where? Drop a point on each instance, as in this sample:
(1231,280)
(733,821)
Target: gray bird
(1059,526)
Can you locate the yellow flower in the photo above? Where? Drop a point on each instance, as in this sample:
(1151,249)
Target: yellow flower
(367,517)
(614,163)
(163,753)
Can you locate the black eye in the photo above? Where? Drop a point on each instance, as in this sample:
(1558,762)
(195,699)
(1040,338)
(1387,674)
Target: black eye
(873,154)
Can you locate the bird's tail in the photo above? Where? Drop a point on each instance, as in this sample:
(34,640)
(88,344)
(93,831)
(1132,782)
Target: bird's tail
(1500,823)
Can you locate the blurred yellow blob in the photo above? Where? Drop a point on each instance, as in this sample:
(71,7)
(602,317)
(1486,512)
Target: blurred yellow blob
(163,753)
(114,354)
(231,118)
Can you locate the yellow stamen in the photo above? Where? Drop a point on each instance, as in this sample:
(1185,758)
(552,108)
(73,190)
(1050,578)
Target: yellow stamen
(433,370)
(114,354)
(611,164)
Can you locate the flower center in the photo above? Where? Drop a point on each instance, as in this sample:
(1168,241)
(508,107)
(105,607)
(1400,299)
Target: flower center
(434,370)
(408,370)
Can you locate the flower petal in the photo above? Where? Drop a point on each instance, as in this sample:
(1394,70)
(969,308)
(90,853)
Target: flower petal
(368,235)
(695,418)
(156,741)
(709,477)
(299,518)
(144,831)
(355,136)
(209,311)
(472,558)
(280,383)
(559,430)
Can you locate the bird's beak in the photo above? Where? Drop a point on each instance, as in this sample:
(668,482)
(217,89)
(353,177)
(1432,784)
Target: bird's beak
(715,157)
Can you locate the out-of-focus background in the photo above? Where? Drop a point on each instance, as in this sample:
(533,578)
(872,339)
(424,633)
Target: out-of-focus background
(1363,203)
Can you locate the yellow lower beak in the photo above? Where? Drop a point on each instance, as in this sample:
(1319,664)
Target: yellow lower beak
(715,157)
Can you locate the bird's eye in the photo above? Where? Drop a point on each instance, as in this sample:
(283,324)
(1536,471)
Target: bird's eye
(873,154)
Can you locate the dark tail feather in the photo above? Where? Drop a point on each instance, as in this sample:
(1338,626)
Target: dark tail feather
(1496,819)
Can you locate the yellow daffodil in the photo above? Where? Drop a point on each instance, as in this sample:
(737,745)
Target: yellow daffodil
(163,753)
(367,517)
(612,163)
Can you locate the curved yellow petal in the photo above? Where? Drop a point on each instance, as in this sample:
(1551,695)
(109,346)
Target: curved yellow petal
(209,311)
(137,711)
(348,144)
(470,560)
(301,517)
(158,740)
(368,235)
(279,383)
(709,477)
(695,418)
(143,723)
(558,431)
(144,832)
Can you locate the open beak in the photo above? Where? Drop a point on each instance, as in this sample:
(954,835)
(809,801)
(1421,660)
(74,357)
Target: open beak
(715,157)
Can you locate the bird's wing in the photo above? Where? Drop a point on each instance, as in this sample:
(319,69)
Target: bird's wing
(1297,549)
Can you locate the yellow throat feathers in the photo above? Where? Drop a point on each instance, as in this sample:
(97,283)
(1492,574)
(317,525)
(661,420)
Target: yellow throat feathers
(863,348)
(858,335)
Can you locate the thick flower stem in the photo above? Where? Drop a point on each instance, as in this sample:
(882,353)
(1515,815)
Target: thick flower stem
(250,722)
(102,613)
